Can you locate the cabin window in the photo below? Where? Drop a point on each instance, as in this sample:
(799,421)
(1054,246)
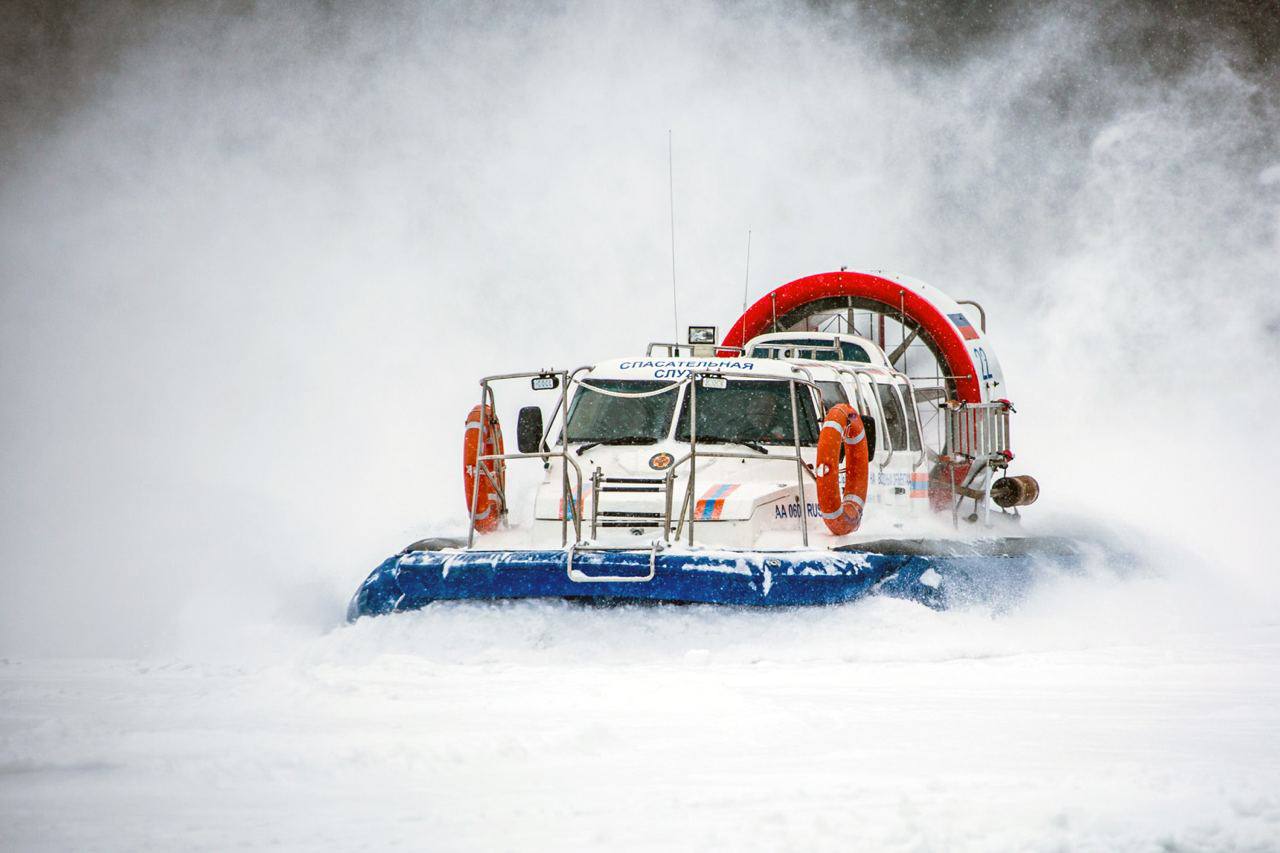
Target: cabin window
(758,412)
(598,417)
(832,394)
(913,422)
(815,348)
(895,420)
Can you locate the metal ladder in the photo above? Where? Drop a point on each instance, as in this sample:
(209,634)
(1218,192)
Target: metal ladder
(600,485)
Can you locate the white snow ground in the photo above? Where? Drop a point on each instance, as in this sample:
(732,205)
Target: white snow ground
(1099,715)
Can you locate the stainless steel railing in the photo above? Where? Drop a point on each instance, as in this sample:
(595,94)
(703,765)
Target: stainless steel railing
(977,430)
(977,434)
(803,378)
(673,350)
(562,405)
(883,433)
(783,350)
(689,503)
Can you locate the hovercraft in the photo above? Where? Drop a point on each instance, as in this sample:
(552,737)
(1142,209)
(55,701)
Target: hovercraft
(849,436)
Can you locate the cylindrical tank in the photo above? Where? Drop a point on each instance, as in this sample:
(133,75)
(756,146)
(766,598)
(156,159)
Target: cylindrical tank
(1021,490)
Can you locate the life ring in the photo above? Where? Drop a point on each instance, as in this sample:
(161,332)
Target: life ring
(842,429)
(490,500)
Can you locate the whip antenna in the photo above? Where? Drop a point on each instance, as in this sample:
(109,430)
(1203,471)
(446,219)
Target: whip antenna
(671,196)
(746,279)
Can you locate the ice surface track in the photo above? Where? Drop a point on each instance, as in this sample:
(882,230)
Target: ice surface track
(541,725)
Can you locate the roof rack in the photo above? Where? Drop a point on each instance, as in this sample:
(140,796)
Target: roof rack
(781,351)
(674,350)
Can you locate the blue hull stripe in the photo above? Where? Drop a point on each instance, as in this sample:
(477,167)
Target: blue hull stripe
(744,578)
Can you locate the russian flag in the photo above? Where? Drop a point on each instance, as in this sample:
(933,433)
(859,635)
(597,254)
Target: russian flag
(967,331)
(711,504)
(919,484)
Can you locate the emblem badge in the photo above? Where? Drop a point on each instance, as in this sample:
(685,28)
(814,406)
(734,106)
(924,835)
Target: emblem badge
(661,461)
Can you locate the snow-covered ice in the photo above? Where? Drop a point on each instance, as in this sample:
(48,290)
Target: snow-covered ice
(1080,721)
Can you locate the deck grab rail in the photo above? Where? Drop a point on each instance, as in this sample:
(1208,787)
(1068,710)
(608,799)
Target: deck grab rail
(567,495)
(977,435)
(571,497)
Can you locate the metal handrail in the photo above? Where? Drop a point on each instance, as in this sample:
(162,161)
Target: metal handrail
(916,411)
(571,380)
(673,350)
(855,372)
(582,577)
(564,393)
(691,456)
(991,426)
(487,397)
(562,404)
(571,503)
(980,432)
(897,389)
(857,386)
(779,348)
(715,454)
(982,315)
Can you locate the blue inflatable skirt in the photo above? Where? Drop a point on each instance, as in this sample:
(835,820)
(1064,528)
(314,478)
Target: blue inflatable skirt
(936,573)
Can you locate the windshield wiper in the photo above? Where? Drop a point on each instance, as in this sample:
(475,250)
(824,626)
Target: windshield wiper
(716,439)
(628,439)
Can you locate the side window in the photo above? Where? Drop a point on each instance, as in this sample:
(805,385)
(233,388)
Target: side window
(832,393)
(865,402)
(867,399)
(818,405)
(913,424)
(895,420)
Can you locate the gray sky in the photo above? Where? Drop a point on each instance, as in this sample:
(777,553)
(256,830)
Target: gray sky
(253,257)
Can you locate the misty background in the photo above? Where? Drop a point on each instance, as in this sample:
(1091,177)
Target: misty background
(254,257)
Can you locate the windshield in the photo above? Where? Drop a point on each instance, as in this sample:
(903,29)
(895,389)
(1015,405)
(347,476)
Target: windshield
(750,411)
(594,416)
(807,348)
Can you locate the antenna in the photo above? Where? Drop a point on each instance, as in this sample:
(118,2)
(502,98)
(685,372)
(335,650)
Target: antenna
(671,196)
(746,279)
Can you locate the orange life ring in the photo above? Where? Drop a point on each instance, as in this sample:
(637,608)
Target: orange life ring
(842,429)
(490,499)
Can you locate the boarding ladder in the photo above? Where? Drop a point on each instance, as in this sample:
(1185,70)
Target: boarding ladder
(630,519)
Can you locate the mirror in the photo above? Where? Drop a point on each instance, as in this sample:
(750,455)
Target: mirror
(869,424)
(529,429)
